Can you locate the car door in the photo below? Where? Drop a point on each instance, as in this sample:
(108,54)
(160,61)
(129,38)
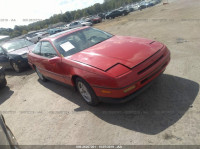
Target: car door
(50,62)
(4,60)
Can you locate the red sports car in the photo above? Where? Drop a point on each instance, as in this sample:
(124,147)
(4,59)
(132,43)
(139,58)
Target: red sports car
(101,66)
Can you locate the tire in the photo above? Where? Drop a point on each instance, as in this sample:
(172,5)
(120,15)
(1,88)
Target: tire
(86,92)
(39,39)
(3,84)
(41,77)
(16,67)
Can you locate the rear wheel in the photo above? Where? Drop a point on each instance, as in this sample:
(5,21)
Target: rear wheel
(40,75)
(86,92)
(16,66)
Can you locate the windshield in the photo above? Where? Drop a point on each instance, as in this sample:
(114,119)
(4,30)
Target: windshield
(17,44)
(80,40)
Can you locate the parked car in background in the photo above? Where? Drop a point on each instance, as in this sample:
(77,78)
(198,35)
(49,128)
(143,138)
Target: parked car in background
(3,81)
(113,14)
(54,31)
(74,25)
(37,36)
(96,19)
(102,15)
(88,19)
(116,13)
(135,7)
(77,24)
(124,11)
(7,139)
(129,8)
(149,4)
(102,67)
(13,54)
(142,5)
(84,23)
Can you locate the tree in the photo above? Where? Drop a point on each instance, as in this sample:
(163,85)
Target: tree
(67,17)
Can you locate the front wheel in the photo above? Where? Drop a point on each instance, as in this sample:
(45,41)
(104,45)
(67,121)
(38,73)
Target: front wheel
(3,84)
(16,67)
(86,92)
(40,75)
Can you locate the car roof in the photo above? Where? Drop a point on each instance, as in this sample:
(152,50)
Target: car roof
(63,33)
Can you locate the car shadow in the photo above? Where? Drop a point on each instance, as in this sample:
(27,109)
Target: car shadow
(26,71)
(5,94)
(151,112)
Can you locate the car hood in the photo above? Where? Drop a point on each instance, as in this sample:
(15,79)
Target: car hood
(23,50)
(129,51)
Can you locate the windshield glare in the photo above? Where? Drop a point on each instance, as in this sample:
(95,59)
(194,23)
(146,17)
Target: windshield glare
(80,40)
(15,45)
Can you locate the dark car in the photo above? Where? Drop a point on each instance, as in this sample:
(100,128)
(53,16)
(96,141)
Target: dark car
(7,139)
(142,5)
(13,54)
(149,4)
(124,12)
(54,31)
(113,14)
(116,13)
(3,81)
(102,15)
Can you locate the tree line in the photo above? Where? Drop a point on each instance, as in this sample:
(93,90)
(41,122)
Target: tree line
(66,17)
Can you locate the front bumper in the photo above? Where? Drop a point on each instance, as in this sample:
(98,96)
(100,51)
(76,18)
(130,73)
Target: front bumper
(23,63)
(124,99)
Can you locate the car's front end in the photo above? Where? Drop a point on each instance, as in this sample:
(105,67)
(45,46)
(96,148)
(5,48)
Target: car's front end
(127,64)
(17,52)
(134,79)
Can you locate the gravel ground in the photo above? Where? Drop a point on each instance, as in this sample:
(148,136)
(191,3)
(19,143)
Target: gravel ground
(167,113)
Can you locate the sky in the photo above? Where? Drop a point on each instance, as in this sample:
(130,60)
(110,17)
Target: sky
(24,12)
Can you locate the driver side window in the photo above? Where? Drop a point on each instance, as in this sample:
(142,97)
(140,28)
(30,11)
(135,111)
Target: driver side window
(47,50)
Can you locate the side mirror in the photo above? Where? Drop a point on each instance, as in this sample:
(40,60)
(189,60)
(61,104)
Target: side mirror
(54,60)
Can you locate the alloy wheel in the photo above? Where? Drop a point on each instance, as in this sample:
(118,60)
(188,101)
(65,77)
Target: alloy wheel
(84,92)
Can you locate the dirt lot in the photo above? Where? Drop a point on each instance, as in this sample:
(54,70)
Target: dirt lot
(167,113)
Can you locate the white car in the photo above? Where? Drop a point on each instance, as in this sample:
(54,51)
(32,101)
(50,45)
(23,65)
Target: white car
(85,23)
(135,7)
(77,24)
(74,25)
(35,37)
